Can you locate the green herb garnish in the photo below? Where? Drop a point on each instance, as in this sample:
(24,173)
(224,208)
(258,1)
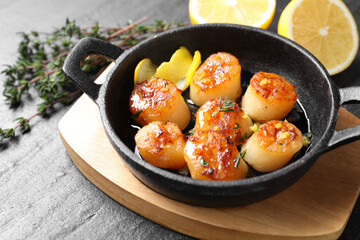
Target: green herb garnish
(237,161)
(237,126)
(204,163)
(246,136)
(242,154)
(226,106)
(137,114)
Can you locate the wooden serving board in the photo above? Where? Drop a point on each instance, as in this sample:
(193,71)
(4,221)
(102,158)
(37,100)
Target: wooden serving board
(316,207)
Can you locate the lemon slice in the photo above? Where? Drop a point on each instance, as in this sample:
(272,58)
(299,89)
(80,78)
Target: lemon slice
(177,68)
(324,27)
(184,83)
(256,13)
(144,70)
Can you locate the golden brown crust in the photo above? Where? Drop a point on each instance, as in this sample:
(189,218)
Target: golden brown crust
(277,133)
(210,117)
(151,98)
(211,155)
(162,144)
(273,87)
(215,70)
(161,135)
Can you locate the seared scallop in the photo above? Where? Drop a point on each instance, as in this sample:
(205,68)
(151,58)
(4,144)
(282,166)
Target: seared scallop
(210,155)
(158,99)
(268,97)
(272,146)
(162,145)
(218,76)
(225,116)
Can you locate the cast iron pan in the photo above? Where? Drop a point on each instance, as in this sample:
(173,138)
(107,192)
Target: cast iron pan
(257,50)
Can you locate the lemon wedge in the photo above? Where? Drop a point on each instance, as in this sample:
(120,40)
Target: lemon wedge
(324,27)
(144,70)
(256,13)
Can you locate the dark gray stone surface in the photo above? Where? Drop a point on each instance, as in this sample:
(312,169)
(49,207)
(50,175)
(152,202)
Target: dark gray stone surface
(42,194)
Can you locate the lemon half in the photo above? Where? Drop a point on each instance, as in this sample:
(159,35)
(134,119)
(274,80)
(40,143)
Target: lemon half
(256,13)
(324,27)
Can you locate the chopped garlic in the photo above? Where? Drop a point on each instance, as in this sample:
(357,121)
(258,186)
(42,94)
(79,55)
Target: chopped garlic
(254,127)
(306,141)
(265,81)
(285,135)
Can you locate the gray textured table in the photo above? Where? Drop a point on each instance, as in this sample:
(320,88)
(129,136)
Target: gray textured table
(42,194)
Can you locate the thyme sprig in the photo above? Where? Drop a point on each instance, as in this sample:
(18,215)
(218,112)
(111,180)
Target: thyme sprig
(226,106)
(42,55)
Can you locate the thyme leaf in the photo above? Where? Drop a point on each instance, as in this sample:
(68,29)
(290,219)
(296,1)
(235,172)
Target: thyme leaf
(137,114)
(237,161)
(246,136)
(243,153)
(237,126)
(203,162)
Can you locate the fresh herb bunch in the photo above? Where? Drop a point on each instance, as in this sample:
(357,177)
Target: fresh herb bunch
(41,57)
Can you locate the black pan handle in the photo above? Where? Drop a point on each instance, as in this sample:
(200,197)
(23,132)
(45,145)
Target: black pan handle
(82,49)
(347,95)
